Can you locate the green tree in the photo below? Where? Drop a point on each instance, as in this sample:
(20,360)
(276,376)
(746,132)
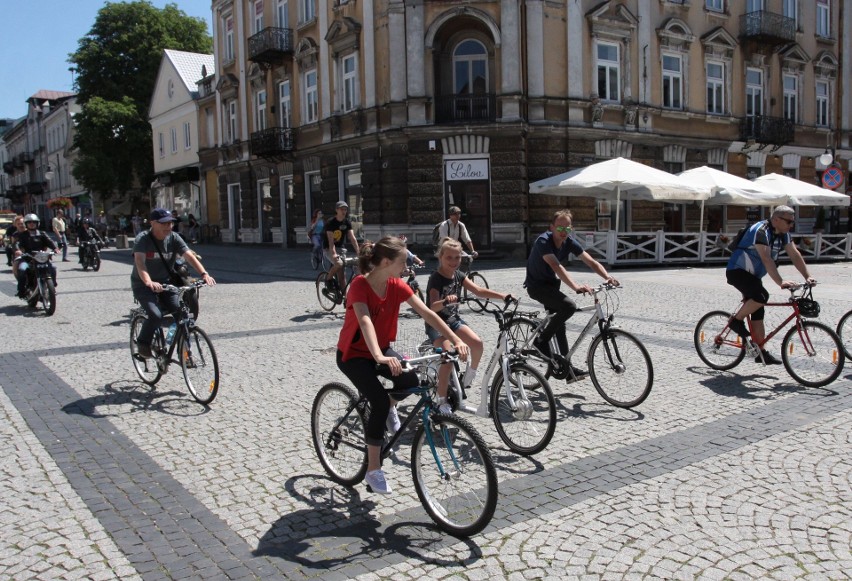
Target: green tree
(117,64)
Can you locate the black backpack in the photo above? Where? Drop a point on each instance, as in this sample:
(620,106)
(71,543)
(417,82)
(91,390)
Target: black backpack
(739,238)
(436,235)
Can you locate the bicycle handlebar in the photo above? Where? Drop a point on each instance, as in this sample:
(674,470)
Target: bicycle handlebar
(424,360)
(183,289)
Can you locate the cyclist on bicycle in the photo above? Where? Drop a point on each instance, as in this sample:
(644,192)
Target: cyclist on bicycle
(369,327)
(315,229)
(337,229)
(442,295)
(544,273)
(755,257)
(154,254)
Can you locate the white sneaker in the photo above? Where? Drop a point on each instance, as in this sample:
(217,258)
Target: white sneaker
(376,481)
(443,405)
(392,423)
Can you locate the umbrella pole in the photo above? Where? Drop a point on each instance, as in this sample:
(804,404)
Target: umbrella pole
(701,218)
(617,206)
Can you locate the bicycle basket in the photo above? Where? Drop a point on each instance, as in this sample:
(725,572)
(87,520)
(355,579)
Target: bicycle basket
(808,308)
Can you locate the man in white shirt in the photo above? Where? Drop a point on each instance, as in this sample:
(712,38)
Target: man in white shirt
(59,230)
(455,229)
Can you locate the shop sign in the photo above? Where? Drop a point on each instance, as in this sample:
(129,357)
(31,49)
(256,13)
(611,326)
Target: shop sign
(466,169)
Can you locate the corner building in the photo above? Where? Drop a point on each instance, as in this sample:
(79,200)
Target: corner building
(403,108)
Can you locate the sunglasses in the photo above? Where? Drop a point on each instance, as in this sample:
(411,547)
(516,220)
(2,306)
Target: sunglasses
(789,221)
(564,229)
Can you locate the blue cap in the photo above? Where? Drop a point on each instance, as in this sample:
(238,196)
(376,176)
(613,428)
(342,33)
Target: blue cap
(162,216)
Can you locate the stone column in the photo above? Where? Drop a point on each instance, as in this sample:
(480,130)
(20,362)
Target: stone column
(416,61)
(510,59)
(535,58)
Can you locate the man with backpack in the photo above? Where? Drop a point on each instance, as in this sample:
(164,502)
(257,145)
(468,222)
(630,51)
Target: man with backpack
(453,228)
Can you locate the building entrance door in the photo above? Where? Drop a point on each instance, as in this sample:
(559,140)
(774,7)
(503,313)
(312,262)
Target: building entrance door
(468,187)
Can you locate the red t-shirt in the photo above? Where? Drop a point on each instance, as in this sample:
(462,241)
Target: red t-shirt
(384,313)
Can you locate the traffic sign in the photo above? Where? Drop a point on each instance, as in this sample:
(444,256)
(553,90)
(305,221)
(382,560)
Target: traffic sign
(832,178)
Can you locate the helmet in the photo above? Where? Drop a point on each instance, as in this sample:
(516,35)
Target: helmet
(808,307)
(31,218)
(86,221)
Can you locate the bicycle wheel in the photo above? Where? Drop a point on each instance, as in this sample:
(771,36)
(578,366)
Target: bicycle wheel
(337,428)
(326,302)
(147,369)
(718,350)
(529,426)
(199,364)
(316,258)
(475,303)
(844,332)
(812,354)
(454,475)
(620,368)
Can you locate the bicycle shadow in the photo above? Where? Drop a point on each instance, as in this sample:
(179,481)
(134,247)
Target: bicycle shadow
(318,316)
(752,386)
(339,529)
(592,409)
(134,396)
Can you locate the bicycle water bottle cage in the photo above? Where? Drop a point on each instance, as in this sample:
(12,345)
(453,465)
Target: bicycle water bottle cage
(808,308)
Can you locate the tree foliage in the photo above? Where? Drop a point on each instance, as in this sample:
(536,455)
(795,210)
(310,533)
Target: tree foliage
(117,64)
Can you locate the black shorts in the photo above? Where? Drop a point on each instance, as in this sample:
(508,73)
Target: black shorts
(748,284)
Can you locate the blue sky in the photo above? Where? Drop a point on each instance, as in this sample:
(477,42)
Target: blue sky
(37,37)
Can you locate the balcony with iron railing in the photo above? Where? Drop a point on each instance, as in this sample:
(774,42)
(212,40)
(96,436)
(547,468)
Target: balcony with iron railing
(761,129)
(271,45)
(767,27)
(272,142)
(481,108)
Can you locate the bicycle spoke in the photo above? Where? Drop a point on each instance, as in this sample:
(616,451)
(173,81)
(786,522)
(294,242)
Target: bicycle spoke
(526,425)
(338,434)
(620,368)
(716,345)
(200,366)
(812,354)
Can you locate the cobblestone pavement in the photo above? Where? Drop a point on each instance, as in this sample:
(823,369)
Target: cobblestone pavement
(734,475)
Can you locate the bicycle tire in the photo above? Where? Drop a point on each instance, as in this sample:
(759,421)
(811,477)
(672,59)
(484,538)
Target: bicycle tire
(316,259)
(529,428)
(844,332)
(147,369)
(718,352)
(462,499)
(48,298)
(620,368)
(325,302)
(200,365)
(341,451)
(476,304)
(812,354)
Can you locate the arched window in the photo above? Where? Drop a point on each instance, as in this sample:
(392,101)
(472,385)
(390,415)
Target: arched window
(470,68)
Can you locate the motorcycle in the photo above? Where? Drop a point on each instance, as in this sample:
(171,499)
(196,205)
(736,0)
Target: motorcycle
(40,286)
(90,255)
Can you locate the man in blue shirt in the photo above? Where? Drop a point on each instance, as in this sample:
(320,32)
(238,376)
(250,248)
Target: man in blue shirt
(755,257)
(545,274)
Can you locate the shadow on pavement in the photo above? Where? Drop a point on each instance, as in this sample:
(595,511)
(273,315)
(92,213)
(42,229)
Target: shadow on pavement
(121,397)
(752,386)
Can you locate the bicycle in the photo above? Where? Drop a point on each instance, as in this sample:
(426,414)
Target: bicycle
(411,280)
(452,468)
(196,355)
(844,332)
(810,351)
(619,365)
(519,399)
(331,296)
(476,304)
(318,258)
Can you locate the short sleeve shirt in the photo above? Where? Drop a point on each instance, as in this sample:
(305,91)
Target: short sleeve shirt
(172,247)
(445,287)
(339,229)
(538,271)
(746,257)
(384,313)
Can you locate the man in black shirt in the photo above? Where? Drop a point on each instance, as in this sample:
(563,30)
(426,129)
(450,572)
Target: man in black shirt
(336,231)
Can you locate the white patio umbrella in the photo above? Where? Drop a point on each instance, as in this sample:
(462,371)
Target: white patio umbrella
(731,190)
(617,179)
(801,193)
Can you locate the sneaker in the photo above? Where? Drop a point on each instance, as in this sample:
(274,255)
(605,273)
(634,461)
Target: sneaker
(393,424)
(376,482)
(738,327)
(144,350)
(443,406)
(768,358)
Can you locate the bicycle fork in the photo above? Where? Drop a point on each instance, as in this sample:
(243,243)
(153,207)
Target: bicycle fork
(428,423)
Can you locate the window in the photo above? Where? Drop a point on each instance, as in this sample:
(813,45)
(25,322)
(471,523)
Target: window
(284,104)
(715,5)
(229,38)
(822,119)
(754,92)
(823,24)
(608,66)
(307,12)
(174,139)
(260,111)
(162,144)
(187,135)
(257,23)
(283,14)
(672,82)
(470,68)
(211,129)
(791,10)
(310,112)
(349,83)
(715,88)
(754,5)
(791,98)
(231,121)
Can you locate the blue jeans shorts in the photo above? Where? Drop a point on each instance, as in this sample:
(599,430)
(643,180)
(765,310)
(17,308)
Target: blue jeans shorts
(434,334)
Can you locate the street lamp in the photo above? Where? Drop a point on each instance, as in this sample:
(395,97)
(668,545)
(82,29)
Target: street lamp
(48,173)
(827,157)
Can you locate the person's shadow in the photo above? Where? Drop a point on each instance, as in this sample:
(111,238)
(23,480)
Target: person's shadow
(339,529)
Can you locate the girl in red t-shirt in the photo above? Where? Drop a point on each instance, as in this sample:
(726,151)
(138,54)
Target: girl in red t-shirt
(372,312)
